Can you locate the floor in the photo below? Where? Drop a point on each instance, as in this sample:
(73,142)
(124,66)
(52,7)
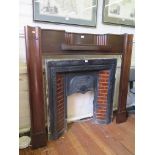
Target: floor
(87,138)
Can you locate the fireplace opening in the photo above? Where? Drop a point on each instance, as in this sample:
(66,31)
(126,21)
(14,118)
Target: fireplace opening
(79,86)
(67,79)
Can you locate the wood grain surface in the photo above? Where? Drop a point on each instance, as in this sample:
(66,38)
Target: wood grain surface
(87,138)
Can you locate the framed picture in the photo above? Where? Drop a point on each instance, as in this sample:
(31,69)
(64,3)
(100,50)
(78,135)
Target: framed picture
(78,12)
(119,12)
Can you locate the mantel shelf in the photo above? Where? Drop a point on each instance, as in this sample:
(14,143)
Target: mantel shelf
(85,47)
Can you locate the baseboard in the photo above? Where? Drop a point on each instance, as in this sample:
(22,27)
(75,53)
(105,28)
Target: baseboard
(131,109)
(24,130)
(26,133)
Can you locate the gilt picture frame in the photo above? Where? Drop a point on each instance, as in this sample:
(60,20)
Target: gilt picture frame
(76,12)
(121,12)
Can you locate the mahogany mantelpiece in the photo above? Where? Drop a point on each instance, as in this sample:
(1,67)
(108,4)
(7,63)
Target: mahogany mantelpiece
(42,42)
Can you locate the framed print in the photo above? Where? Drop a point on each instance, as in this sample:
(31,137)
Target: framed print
(119,12)
(78,12)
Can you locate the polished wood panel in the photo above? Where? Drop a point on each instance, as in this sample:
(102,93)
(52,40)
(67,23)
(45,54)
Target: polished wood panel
(125,70)
(98,43)
(34,65)
(87,138)
(87,48)
(51,41)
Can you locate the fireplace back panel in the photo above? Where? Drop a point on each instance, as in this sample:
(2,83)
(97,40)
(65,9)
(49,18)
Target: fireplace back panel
(79,76)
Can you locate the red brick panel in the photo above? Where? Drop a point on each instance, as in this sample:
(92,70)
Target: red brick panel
(60,108)
(101,108)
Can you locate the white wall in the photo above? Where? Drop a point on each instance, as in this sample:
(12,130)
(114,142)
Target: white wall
(25,17)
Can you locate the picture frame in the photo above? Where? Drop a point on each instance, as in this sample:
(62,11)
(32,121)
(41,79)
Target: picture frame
(76,12)
(120,12)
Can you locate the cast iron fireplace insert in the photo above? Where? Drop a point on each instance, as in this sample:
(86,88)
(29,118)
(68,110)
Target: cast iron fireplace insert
(67,77)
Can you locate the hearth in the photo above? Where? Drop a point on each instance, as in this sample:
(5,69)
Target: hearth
(79,76)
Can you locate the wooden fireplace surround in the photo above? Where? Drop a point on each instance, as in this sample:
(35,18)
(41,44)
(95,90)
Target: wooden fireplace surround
(45,42)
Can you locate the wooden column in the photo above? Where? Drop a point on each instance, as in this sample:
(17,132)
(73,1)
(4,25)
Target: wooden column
(125,70)
(34,66)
